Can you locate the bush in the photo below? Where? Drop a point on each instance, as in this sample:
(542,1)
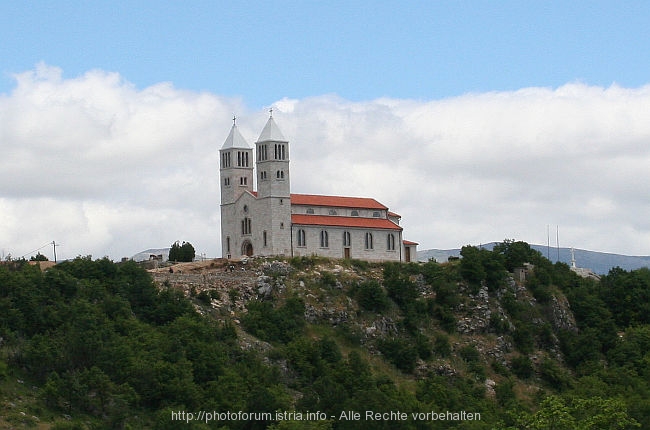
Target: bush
(522,367)
(441,345)
(400,352)
(371,296)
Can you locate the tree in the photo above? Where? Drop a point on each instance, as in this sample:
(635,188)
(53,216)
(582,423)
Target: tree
(38,257)
(182,253)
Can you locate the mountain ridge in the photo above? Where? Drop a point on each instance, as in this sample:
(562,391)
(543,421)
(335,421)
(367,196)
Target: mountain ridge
(599,262)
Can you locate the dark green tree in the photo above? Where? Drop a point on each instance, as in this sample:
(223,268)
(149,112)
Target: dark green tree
(182,253)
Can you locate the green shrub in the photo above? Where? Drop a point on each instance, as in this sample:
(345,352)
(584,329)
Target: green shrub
(522,367)
(371,296)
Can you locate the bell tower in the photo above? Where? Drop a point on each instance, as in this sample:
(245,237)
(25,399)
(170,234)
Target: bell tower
(236,177)
(236,166)
(274,187)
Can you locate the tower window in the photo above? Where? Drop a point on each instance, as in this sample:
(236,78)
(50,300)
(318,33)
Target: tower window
(228,244)
(242,159)
(264,237)
(324,239)
(279,174)
(243,180)
(225,160)
(301,238)
(226,182)
(369,244)
(279,151)
(262,153)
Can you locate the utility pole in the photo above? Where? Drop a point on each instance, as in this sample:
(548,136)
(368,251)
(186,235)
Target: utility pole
(54,247)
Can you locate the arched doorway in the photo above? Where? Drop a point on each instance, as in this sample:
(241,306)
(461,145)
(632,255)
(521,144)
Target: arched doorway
(247,248)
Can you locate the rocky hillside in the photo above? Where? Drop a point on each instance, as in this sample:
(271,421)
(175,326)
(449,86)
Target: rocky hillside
(497,339)
(463,329)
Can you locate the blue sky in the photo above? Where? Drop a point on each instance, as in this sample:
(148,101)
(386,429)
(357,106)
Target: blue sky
(476,121)
(359,50)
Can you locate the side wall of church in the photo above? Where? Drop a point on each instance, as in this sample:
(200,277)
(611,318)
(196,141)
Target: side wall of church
(335,248)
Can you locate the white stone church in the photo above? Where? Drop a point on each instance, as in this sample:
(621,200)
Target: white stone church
(273,221)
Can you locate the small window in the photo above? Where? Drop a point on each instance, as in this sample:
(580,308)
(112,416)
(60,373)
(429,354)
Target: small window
(228,244)
(301,238)
(347,239)
(310,211)
(245,209)
(369,244)
(354,213)
(264,237)
(390,242)
(324,239)
(332,212)
(376,214)
(246,226)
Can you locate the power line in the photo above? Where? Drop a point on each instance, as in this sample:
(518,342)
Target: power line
(31,252)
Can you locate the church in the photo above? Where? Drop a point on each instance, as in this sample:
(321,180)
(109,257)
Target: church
(273,221)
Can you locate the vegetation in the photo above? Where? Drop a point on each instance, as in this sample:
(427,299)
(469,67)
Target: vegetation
(182,253)
(104,346)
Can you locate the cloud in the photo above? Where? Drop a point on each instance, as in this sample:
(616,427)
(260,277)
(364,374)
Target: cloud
(109,169)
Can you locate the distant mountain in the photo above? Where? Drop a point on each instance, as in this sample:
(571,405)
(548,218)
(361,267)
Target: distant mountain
(599,262)
(144,255)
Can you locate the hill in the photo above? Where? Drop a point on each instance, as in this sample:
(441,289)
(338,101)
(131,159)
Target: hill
(599,262)
(310,343)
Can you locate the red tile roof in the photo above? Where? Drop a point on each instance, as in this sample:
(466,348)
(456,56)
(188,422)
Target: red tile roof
(336,201)
(344,221)
(408,242)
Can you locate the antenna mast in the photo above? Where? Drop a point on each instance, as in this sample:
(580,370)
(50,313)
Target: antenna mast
(54,248)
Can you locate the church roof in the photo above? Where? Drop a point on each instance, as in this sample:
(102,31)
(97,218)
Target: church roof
(336,201)
(235,140)
(271,132)
(344,221)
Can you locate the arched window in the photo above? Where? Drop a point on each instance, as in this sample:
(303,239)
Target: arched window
(324,239)
(354,213)
(279,174)
(246,226)
(310,211)
(390,242)
(332,212)
(301,238)
(347,240)
(369,244)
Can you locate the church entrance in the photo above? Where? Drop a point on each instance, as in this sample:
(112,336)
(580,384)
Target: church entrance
(407,254)
(247,248)
(346,253)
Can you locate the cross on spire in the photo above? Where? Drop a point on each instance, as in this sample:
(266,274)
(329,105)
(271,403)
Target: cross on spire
(271,112)
(234,120)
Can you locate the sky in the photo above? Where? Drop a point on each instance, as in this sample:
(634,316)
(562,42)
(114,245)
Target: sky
(476,121)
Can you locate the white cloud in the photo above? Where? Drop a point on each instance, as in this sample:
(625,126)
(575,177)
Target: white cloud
(108,169)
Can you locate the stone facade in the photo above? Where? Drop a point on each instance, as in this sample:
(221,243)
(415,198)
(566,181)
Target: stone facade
(273,221)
